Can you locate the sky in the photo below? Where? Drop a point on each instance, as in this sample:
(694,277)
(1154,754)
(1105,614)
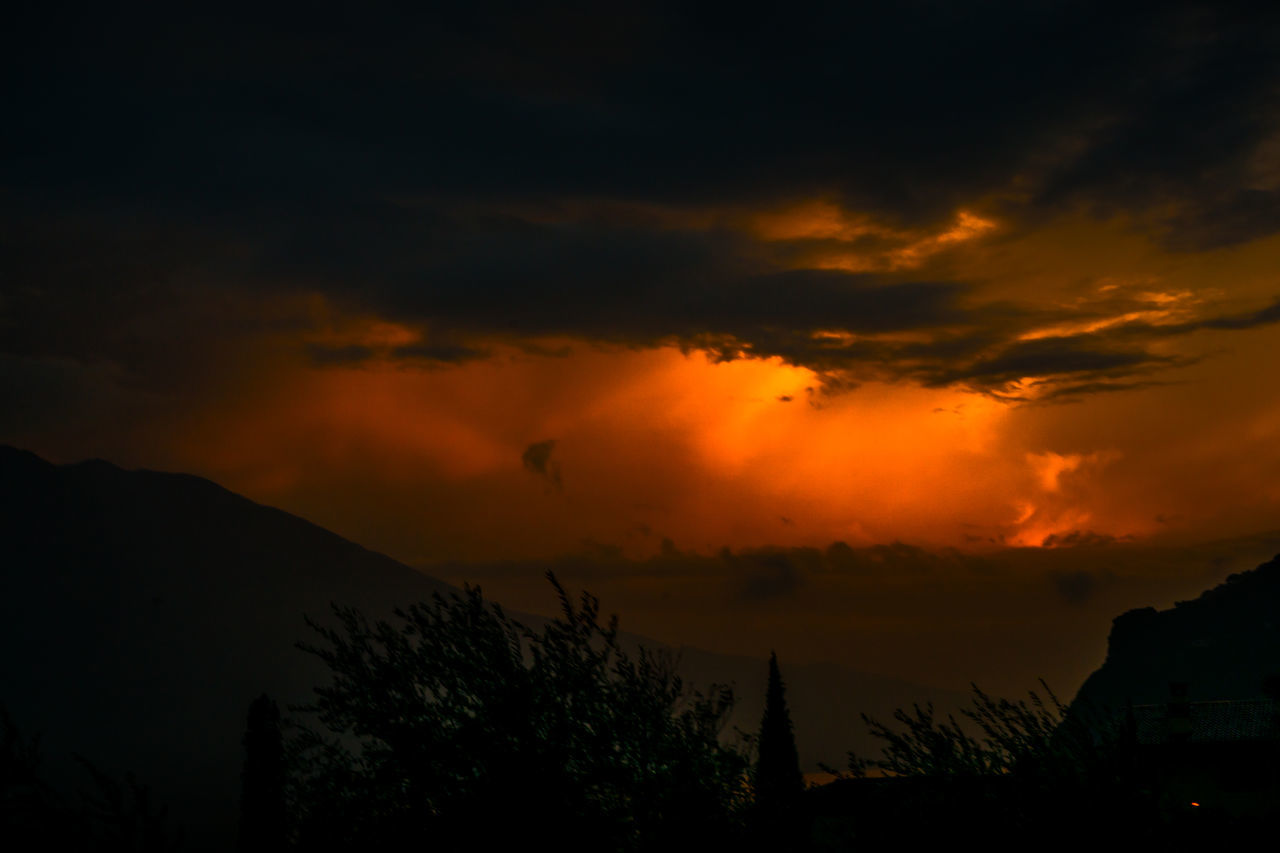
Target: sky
(920,337)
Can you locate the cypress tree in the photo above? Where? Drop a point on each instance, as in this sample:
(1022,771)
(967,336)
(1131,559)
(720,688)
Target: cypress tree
(262,808)
(778,782)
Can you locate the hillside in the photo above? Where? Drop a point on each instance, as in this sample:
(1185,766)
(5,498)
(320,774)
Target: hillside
(1223,644)
(140,612)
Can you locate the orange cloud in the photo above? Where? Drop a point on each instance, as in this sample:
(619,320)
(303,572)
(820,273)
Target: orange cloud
(427,463)
(422,457)
(869,245)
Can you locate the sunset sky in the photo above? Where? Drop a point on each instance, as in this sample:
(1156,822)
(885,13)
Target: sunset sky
(921,337)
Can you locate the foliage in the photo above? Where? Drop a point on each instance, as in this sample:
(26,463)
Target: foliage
(461,727)
(120,815)
(1012,765)
(1037,735)
(24,797)
(114,815)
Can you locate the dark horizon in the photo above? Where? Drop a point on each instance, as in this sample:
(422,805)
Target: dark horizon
(141,608)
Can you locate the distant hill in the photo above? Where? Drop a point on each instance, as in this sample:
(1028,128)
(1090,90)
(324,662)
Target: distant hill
(1222,644)
(141,612)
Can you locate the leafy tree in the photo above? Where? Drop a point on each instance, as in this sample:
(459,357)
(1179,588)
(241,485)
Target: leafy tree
(457,726)
(262,806)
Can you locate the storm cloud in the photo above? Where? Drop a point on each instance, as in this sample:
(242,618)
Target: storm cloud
(524,173)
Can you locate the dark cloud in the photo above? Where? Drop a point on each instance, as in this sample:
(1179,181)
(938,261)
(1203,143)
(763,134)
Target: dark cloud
(1267,316)
(1079,362)
(905,108)
(1075,587)
(464,279)
(1004,618)
(1054,356)
(767,574)
(349,355)
(1072,392)
(504,172)
(783,570)
(748,573)
(931,586)
(1226,218)
(340,356)
(441,353)
(537,459)
(1078,538)
(897,558)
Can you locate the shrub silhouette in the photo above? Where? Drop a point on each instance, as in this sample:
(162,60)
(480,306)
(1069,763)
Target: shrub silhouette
(113,815)
(1009,765)
(1037,740)
(461,727)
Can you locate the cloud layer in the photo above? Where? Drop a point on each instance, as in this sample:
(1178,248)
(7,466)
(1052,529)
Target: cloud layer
(810,187)
(707,291)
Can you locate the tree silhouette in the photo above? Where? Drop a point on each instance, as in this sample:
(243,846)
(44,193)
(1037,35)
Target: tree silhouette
(458,727)
(26,802)
(777,778)
(120,816)
(777,783)
(262,806)
(113,815)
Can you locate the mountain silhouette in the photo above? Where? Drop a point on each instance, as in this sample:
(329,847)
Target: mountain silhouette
(1222,645)
(141,612)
